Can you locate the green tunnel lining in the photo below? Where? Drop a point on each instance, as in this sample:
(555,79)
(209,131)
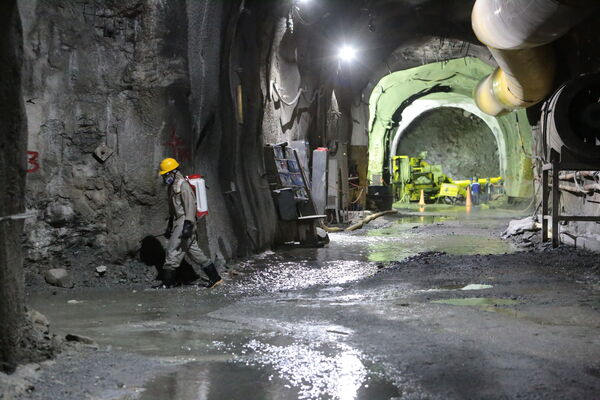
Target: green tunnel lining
(462,75)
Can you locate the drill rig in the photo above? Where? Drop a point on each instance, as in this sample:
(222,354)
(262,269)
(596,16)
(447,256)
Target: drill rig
(411,175)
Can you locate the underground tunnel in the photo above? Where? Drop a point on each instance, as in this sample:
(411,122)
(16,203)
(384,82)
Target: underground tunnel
(299,199)
(454,138)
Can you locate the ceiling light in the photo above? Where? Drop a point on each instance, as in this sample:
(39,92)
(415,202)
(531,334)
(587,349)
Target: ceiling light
(347,53)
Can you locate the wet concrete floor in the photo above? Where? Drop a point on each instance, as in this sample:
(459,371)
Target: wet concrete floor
(349,322)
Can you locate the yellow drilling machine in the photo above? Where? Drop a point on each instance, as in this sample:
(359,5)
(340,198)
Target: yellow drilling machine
(411,175)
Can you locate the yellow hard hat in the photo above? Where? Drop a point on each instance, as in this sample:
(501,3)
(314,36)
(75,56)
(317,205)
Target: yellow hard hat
(168,165)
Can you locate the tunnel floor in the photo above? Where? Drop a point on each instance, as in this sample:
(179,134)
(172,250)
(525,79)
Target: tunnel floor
(419,306)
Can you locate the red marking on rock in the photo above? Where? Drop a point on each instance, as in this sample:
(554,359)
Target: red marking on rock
(32,159)
(177,145)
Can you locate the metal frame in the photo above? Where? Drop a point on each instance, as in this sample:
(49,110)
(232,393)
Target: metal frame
(556,166)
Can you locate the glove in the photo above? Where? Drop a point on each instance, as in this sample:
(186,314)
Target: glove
(169,228)
(188,229)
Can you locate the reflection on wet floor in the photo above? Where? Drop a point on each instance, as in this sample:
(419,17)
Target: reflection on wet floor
(247,354)
(211,380)
(215,381)
(404,238)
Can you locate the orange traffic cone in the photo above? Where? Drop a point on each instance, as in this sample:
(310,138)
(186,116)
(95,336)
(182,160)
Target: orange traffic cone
(469,203)
(422,200)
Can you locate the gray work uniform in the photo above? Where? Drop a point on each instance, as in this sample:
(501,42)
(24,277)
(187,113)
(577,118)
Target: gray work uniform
(182,207)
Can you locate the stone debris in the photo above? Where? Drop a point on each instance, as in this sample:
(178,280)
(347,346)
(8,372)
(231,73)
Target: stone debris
(519,226)
(38,320)
(58,277)
(322,235)
(70,337)
(101,270)
(58,214)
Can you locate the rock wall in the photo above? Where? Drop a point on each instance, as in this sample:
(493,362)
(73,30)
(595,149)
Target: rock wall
(227,47)
(111,88)
(99,76)
(296,98)
(460,142)
(13,144)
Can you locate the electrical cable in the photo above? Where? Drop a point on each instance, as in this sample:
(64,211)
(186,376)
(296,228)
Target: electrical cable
(301,19)
(287,103)
(362,189)
(301,92)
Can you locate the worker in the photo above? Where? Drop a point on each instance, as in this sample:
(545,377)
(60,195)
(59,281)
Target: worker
(475,190)
(181,229)
(487,190)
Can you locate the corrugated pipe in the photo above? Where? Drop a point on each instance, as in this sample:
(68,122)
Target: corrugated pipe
(517,34)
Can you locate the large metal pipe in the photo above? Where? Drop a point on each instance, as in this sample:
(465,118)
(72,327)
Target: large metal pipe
(571,119)
(517,34)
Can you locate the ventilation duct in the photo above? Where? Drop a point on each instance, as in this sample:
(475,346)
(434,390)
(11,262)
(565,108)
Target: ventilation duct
(518,34)
(571,119)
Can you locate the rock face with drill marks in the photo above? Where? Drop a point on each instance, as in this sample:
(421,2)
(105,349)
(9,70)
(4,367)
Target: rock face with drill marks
(106,89)
(460,142)
(111,88)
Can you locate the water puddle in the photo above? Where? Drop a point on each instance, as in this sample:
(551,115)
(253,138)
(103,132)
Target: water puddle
(165,323)
(236,341)
(411,220)
(405,245)
(264,371)
(476,286)
(217,381)
(471,286)
(253,358)
(451,234)
(344,259)
(301,274)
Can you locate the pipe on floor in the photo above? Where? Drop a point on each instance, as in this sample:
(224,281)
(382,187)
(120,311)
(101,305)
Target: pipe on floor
(518,34)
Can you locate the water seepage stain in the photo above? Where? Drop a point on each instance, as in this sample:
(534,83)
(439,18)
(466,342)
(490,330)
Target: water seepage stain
(482,303)
(228,380)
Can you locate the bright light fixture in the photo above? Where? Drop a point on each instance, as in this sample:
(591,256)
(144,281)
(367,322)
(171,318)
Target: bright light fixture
(347,53)
(304,1)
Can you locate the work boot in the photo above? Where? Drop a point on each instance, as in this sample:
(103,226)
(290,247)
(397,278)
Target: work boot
(168,278)
(214,279)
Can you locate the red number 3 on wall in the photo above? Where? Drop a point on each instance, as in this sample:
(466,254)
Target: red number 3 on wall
(32,160)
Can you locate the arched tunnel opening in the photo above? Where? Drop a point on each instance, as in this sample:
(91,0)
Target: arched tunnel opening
(462,143)
(299,199)
(429,142)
